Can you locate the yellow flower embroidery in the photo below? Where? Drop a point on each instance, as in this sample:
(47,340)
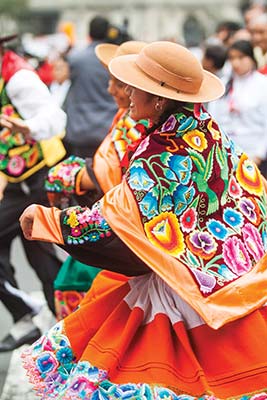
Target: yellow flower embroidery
(196,140)
(72,220)
(214,130)
(249,176)
(164,232)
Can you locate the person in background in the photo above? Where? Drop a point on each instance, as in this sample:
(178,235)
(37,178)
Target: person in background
(214,57)
(258,31)
(88,104)
(61,82)
(188,224)
(30,122)
(224,32)
(242,110)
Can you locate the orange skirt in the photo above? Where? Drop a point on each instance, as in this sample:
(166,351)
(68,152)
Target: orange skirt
(138,339)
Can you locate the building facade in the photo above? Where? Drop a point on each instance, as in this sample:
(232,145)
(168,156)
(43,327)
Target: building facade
(182,20)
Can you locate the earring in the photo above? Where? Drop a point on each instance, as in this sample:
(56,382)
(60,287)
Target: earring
(158,106)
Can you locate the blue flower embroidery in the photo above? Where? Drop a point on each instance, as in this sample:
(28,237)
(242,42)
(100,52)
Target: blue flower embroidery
(182,167)
(217,229)
(167,203)
(149,205)
(183,196)
(233,218)
(139,179)
(64,355)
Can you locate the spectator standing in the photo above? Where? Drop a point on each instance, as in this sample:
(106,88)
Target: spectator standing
(242,110)
(89,107)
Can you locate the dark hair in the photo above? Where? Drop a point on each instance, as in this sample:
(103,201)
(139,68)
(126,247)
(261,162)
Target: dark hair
(98,28)
(230,26)
(245,47)
(217,54)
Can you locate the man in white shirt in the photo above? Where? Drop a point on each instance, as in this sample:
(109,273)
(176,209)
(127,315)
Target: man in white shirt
(28,116)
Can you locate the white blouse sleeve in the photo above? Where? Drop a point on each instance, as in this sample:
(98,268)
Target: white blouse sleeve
(32,99)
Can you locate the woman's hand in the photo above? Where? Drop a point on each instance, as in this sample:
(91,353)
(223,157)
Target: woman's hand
(15,125)
(26,221)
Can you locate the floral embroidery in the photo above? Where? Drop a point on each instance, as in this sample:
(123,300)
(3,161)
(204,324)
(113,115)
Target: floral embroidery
(16,165)
(188,220)
(55,373)
(62,177)
(127,135)
(253,241)
(189,207)
(196,140)
(233,218)
(217,229)
(250,209)
(236,256)
(234,189)
(164,232)
(18,154)
(140,180)
(214,130)
(170,124)
(249,176)
(82,225)
(202,244)
(207,282)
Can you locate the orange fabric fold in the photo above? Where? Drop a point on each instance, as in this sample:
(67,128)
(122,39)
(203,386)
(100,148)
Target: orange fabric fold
(106,163)
(46,225)
(237,299)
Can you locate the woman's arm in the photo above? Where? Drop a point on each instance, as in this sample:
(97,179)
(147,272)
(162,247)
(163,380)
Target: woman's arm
(84,234)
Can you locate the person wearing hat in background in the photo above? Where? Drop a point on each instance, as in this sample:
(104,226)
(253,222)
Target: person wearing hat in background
(88,179)
(29,122)
(89,107)
(241,112)
(188,223)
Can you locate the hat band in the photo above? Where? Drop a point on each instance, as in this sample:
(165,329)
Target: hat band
(163,76)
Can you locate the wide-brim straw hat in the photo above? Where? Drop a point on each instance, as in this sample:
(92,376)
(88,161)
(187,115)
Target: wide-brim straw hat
(105,52)
(167,70)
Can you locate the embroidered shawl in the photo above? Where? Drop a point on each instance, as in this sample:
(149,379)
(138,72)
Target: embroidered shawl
(193,208)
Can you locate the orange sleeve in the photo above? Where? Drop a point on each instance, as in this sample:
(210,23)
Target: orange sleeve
(46,225)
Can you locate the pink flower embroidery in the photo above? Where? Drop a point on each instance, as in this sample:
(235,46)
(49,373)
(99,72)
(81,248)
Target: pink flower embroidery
(76,232)
(16,165)
(142,146)
(236,256)
(253,241)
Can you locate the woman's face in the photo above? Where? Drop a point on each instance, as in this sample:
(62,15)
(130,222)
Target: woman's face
(241,63)
(60,70)
(116,89)
(142,104)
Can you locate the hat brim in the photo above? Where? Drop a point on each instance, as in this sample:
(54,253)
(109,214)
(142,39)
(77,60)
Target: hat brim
(126,70)
(105,52)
